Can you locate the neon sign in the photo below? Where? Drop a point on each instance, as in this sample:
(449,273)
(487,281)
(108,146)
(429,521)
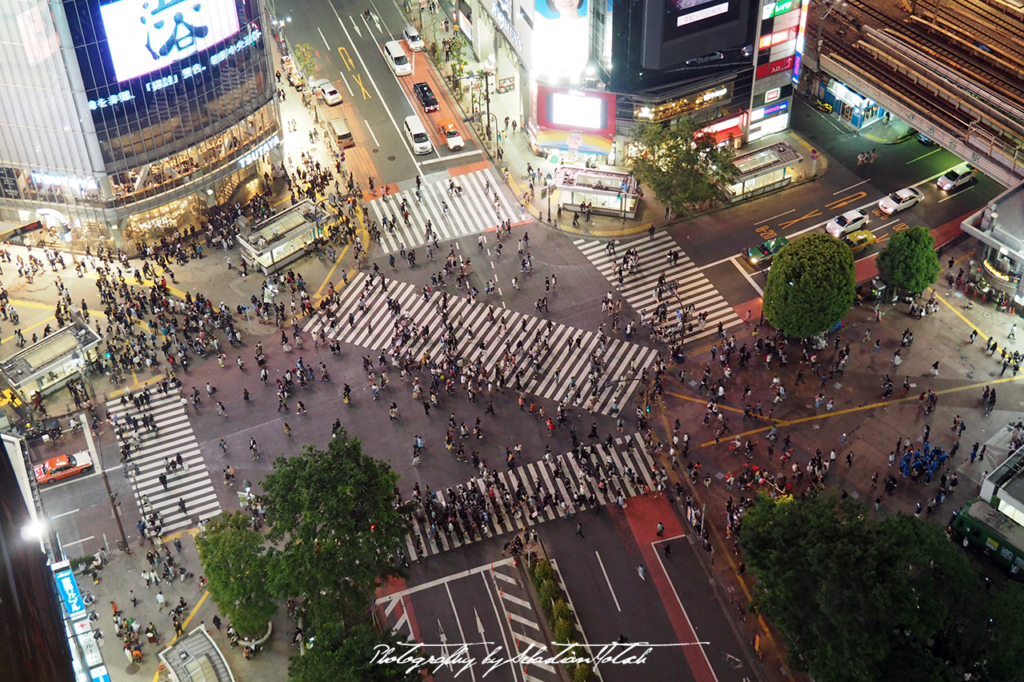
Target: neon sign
(259,151)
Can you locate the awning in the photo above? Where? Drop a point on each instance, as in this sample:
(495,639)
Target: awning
(723,135)
(559,139)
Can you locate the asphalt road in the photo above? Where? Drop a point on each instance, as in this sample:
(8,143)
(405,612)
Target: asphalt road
(348,47)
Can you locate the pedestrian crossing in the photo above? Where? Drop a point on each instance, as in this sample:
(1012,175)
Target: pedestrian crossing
(469,213)
(626,468)
(172,436)
(565,373)
(692,287)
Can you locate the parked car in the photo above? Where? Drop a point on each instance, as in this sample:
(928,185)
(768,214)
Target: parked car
(958,177)
(900,201)
(58,468)
(451,135)
(766,251)
(413,39)
(848,222)
(326,91)
(859,240)
(426,97)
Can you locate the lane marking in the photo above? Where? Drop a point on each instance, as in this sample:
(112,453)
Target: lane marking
(453,156)
(777,216)
(77,542)
(610,589)
(925,156)
(67,513)
(324,39)
(850,187)
(953,196)
(746,275)
(371,132)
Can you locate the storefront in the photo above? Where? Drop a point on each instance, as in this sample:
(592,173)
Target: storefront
(605,192)
(283,239)
(763,170)
(995,272)
(846,104)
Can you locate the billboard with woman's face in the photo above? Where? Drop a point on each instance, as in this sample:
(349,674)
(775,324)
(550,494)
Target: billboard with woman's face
(561,45)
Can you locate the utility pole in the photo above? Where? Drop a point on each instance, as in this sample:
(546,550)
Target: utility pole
(97,460)
(487,100)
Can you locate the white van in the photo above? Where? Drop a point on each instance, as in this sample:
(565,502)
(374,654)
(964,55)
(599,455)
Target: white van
(417,135)
(397,59)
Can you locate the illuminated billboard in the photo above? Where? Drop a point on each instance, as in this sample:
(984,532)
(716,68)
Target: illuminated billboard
(684,17)
(561,37)
(146,35)
(575,110)
(800,40)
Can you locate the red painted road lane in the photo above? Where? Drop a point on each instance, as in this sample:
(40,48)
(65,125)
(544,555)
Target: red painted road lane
(644,514)
(404,605)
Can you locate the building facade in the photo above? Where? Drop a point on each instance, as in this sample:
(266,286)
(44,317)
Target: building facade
(124,121)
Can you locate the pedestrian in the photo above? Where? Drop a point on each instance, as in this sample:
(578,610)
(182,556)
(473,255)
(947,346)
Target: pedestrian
(160,600)
(1013,329)
(181,506)
(874,154)
(163,480)
(216,622)
(579,531)
(132,599)
(661,529)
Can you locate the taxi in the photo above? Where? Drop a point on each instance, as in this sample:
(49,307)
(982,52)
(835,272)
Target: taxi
(859,240)
(451,135)
(765,252)
(58,468)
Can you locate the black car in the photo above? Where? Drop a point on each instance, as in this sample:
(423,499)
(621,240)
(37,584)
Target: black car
(425,96)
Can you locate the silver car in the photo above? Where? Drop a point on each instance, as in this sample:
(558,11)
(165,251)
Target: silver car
(326,91)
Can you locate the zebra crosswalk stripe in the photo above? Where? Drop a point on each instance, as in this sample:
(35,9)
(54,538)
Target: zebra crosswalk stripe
(373,328)
(562,487)
(638,289)
(173,436)
(469,213)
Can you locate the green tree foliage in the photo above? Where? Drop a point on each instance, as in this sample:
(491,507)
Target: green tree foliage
(863,600)
(909,260)
(810,286)
(339,656)
(333,514)
(303,54)
(681,165)
(235,561)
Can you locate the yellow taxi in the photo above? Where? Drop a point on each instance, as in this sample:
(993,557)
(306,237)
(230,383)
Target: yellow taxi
(451,135)
(859,240)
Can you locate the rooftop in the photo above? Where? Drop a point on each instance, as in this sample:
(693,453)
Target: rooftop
(775,155)
(279,226)
(51,350)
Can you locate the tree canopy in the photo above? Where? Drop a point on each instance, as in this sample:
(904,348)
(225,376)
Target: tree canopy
(810,286)
(857,599)
(236,562)
(909,260)
(333,514)
(680,164)
(340,656)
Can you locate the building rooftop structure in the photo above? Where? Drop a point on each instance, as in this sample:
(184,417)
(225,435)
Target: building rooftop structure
(195,657)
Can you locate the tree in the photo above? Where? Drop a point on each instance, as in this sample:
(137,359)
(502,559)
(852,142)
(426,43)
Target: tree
(857,599)
(682,165)
(339,656)
(235,561)
(333,513)
(909,260)
(810,286)
(303,54)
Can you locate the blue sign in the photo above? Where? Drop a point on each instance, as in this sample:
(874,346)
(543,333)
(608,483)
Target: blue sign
(99,674)
(781,106)
(69,593)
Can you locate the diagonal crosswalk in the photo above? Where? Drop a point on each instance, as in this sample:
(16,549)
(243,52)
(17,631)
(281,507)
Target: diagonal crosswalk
(625,469)
(172,436)
(471,212)
(692,287)
(496,338)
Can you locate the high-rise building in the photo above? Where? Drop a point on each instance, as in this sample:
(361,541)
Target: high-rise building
(122,121)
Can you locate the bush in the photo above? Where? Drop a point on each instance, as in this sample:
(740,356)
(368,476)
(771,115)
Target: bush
(560,611)
(543,571)
(548,592)
(581,673)
(563,630)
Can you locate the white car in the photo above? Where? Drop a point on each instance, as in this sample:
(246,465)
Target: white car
(326,91)
(900,201)
(844,224)
(413,39)
(958,177)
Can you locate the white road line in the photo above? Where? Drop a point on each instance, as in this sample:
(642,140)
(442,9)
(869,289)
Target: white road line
(610,588)
(849,188)
(448,578)
(325,39)
(504,639)
(746,275)
(953,196)
(685,614)
(777,216)
(454,156)
(67,513)
(924,156)
(371,132)
(458,621)
(77,542)
(345,80)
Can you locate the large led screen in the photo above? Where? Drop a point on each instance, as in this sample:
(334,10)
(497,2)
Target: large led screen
(683,17)
(560,39)
(577,112)
(145,35)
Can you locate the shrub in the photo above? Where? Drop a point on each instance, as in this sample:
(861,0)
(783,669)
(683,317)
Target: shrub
(560,611)
(581,673)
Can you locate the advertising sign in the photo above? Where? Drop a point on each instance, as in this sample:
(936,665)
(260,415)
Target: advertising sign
(683,17)
(561,33)
(771,68)
(576,110)
(69,593)
(145,35)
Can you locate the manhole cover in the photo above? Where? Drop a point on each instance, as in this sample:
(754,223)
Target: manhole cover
(375,151)
(391,158)
(986,314)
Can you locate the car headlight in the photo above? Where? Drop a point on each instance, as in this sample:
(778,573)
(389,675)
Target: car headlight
(753,261)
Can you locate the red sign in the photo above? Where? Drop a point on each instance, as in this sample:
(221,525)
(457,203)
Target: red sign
(777,66)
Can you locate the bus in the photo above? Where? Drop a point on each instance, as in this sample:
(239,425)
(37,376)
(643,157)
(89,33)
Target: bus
(984,528)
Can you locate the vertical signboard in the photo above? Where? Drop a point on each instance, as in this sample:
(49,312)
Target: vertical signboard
(800,36)
(68,589)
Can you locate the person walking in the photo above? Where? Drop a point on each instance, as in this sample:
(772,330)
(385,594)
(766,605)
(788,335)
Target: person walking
(163,480)
(181,506)
(160,600)
(579,531)
(642,572)
(661,529)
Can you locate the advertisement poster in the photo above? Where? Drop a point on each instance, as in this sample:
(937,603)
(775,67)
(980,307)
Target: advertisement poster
(146,35)
(561,33)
